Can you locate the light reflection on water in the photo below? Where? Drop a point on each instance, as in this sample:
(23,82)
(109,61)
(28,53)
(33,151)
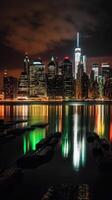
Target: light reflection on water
(34,137)
(74,121)
(78,144)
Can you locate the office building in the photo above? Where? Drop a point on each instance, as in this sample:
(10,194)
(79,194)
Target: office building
(85,63)
(10,87)
(106,71)
(37,79)
(95,68)
(26,63)
(77,56)
(23,87)
(67,77)
(51,77)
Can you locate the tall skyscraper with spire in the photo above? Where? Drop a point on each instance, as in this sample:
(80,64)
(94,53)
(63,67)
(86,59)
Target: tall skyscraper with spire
(77,56)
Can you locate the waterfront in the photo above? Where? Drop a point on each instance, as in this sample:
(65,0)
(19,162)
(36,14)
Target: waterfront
(72,160)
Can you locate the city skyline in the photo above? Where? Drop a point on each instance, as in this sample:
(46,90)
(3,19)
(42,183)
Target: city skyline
(23,26)
(58,80)
(90,60)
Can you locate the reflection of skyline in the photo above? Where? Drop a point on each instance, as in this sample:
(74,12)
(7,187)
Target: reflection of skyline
(67,119)
(72,121)
(38,113)
(79,142)
(99,116)
(52,115)
(55,118)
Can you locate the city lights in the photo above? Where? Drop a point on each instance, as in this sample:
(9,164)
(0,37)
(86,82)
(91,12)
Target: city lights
(59,81)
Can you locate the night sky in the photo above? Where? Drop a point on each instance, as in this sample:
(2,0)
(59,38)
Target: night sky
(45,27)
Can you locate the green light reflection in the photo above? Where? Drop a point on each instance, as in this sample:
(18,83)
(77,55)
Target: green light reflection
(65,146)
(34,137)
(66,132)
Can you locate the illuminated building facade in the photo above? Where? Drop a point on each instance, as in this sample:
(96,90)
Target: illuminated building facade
(106,71)
(59,85)
(95,69)
(67,77)
(1,95)
(101,86)
(77,56)
(104,60)
(51,78)
(84,62)
(80,70)
(37,79)
(108,88)
(23,85)
(10,87)
(85,85)
(82,83)
(26,64)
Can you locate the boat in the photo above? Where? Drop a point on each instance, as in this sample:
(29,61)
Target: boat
(43,153)
(19,130)
(6,135)
(18,121)
(39,125)
(6,125)
(36,158)
(54,138)
(51,139)
(57,134)
(43,142)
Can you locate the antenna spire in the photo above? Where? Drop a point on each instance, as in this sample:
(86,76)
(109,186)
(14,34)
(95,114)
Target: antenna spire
(77,39)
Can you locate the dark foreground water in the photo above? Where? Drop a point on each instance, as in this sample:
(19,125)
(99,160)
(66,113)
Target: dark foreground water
(73,162)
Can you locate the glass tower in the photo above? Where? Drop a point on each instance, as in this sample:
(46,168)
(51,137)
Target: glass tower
(77,56)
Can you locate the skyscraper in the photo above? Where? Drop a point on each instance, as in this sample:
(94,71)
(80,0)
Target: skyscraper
(10,87)
(82,82)
(95,68)
(23,85)
(67,77)
(26,63)
(84,63)
(106,71)
(37,79)
(77,56)
(51,77)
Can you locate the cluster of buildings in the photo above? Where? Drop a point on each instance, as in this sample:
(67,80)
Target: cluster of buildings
(61,80)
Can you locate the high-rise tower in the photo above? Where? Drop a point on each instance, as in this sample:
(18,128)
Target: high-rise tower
(67,77)
(26,63)
(37,79)
(51,77)
(77,56)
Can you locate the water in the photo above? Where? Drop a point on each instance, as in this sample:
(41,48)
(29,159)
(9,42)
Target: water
(73,161)
(74,121)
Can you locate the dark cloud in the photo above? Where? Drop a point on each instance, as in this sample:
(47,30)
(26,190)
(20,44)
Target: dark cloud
(37,26)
